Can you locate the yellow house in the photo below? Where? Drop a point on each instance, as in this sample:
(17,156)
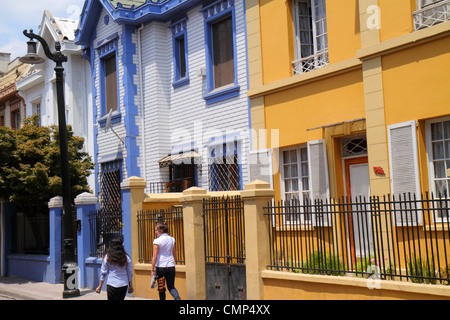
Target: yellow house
(357,91)
(352,98)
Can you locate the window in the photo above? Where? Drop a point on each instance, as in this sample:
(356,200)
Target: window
(110,192)
(181,57)
(295,174)
(311,38)
(430,13)
(2,116)
(110,68)
(180,53)
(438,150)
(15,119)
(224,168)
(223,52)
(37,110)
(221,64)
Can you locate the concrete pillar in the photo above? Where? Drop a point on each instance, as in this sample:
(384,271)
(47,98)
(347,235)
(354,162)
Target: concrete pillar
(256,196)
(192,202)
(55,206)
(85,203)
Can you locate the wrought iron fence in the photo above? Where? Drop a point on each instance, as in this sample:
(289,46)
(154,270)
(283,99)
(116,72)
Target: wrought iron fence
(104,225)
(223,221)
(401,238)
(147,219)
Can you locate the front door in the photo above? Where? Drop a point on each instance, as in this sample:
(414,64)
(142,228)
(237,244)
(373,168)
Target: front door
(359,219)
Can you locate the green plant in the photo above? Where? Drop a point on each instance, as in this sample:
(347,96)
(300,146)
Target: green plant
(318,263)
(421,270)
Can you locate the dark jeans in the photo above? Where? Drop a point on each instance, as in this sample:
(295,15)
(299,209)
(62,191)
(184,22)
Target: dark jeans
(116,293)
(169,274)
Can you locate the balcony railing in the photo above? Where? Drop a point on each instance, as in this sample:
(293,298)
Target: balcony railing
(176,185)
(310,63)
(432,15)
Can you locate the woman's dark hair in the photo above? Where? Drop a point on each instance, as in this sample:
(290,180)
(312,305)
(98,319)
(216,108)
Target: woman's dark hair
(116,253)
(162,226)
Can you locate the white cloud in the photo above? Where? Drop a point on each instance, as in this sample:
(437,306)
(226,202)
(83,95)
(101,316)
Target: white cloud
(18,15)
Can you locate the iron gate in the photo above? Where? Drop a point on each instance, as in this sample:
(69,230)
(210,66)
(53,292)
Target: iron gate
(223,220)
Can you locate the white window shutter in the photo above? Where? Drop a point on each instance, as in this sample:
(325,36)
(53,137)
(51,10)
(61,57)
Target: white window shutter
(260,164)
(318,173)
(404,171)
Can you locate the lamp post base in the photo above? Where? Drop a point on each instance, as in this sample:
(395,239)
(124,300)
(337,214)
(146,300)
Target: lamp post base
(70,275)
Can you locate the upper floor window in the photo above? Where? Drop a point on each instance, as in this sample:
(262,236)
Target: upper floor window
(221,64)
(110,67)
(223,52)
(430,13)
(311,38)
(180,53)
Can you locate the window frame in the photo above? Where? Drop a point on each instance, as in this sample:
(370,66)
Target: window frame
(220,151)
(302,193)
(214,14)
(179,31)
(316,62)
(106,49)
(430,158)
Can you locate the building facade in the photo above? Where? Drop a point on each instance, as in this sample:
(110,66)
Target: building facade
(357,90)
(169,90)
(37,85)
(12,104)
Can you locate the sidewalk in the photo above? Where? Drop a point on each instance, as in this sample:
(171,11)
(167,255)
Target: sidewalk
(22,289)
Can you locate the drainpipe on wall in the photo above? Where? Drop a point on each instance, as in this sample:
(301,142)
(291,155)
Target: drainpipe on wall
(141,94)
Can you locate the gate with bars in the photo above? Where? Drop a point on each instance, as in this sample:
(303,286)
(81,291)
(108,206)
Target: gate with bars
(223,220)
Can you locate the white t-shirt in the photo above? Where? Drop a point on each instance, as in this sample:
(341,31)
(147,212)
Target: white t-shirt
(165,253)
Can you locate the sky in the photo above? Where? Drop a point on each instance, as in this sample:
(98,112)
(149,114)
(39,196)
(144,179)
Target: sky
(18,15)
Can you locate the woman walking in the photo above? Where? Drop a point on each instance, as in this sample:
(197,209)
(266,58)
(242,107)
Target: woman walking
(118,267)
(163,261)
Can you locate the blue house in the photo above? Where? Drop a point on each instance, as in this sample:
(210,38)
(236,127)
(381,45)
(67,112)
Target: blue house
(169,90)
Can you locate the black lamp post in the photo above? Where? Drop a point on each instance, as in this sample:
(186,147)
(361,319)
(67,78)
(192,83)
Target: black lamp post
(70,265)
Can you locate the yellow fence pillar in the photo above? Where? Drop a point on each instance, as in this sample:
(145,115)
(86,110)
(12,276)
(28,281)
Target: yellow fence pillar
(133,196)
(192,202)
(256,196)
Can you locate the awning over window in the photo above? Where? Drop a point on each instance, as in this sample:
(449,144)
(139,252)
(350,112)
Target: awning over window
(178,158)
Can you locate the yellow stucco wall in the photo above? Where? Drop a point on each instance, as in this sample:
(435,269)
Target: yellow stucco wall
(312,105)
(417,80)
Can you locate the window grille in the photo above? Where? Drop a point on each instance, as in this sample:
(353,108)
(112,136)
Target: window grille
(110,192)
(354,146)
(224,168)
(224,173)
(430,13)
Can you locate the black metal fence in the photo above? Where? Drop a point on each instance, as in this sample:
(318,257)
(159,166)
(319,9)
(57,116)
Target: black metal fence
(147,219)
(223,221)
(30,233)
(104,225)
(400,238)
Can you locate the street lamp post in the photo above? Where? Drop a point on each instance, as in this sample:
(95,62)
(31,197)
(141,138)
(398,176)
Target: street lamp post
(69,267)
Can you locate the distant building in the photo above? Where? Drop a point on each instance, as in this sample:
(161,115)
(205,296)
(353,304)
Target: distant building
(37,85)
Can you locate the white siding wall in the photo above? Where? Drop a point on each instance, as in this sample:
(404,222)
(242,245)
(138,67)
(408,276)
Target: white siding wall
(180,116)
(108,143)
(173,117)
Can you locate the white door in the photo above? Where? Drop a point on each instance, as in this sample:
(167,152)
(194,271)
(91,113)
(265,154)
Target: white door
(361,219)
